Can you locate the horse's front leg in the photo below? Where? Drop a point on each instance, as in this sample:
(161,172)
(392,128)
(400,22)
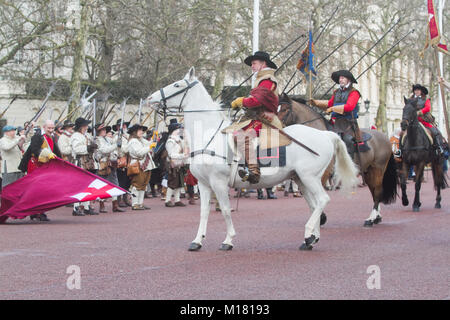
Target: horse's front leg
(205,197)
(419,178)
(221,191)
(403,178)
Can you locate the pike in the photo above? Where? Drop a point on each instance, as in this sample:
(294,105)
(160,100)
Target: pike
(146,118)
(119,136)
(367,52)
(316,40)
(137,111)
(280,52)
(94,119)
(109,113)
(68,104)
(140,111)
(9,105)
(41,110)
(321,62)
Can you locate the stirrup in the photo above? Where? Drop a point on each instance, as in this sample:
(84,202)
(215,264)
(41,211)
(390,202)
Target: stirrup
(244,174)
(398,154)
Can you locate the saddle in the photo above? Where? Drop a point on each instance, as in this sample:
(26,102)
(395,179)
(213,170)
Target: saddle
(268,138)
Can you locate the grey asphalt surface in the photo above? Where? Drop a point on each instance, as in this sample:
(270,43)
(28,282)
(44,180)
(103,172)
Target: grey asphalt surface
(143,255)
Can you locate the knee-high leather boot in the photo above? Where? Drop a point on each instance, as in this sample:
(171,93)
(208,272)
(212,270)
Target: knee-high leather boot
(251,172)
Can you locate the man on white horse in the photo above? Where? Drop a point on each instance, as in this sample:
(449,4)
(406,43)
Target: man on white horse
(263,102)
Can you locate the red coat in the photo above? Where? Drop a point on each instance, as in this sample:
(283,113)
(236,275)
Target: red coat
(252,102)
(425,110)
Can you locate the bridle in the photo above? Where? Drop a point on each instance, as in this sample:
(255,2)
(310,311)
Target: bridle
(185,90)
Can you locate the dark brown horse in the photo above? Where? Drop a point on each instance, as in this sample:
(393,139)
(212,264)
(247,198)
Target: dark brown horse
(377,165)
(418,151)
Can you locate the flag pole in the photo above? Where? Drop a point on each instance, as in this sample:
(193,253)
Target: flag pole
(310,84)
(441,85)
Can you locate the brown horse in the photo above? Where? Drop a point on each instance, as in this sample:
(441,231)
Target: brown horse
(377,166)
(418,151)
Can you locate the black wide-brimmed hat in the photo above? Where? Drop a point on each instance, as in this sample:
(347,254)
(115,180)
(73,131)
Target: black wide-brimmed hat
(117,125)
(174,125)
(67,124)
(343,73)
(135,128)
(260,55)
(421,88)
(81,122)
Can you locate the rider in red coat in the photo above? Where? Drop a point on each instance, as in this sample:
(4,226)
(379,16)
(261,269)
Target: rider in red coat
(264,95)
(424,104)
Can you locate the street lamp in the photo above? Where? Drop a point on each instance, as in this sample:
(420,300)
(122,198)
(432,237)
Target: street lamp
(367,113)
(367,105)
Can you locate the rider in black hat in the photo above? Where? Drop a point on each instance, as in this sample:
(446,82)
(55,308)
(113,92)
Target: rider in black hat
(424,115)
(343,107)
(264,102)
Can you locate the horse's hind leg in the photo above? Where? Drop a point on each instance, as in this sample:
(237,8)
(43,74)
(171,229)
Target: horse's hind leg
(205,197)
(374,179)
(438,199)
(221,191)
(419,176)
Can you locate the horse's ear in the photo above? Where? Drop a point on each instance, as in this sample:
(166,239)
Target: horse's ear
(406,100)
(191,74)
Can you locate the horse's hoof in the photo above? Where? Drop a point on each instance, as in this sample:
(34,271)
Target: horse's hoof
(305,247)
(405,202)
(378,220)
(194,247)
(226,247)
(437,206)
(323,218)
(368,224)
(416,209)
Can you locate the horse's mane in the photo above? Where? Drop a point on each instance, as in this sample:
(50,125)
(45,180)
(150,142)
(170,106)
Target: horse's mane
(285,99)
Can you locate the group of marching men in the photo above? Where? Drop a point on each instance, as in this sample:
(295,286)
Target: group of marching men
(123,156)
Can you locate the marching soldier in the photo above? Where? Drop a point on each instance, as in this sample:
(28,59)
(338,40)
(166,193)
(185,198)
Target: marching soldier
(82,151)
(140,166)
(11,155)
(178,154)
(122,162)
(343,108)
(263,104)
(107,154)
(64,141)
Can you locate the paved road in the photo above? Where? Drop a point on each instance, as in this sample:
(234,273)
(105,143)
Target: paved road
(144,255)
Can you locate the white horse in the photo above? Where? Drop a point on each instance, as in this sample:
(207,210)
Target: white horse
(204,119)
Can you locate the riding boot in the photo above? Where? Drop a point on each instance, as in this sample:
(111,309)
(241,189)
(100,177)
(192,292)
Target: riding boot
(252,172)
(438,141)
(350,144)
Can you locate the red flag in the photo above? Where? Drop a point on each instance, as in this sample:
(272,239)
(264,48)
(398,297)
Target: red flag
(435,37)
(53,185)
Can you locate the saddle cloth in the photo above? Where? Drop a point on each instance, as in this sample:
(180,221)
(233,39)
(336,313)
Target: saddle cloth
(363,146)
(274,157)
(429,136)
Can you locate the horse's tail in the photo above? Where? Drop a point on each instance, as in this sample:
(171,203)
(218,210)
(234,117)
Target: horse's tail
(345,170)
(390,182)
(440,181)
